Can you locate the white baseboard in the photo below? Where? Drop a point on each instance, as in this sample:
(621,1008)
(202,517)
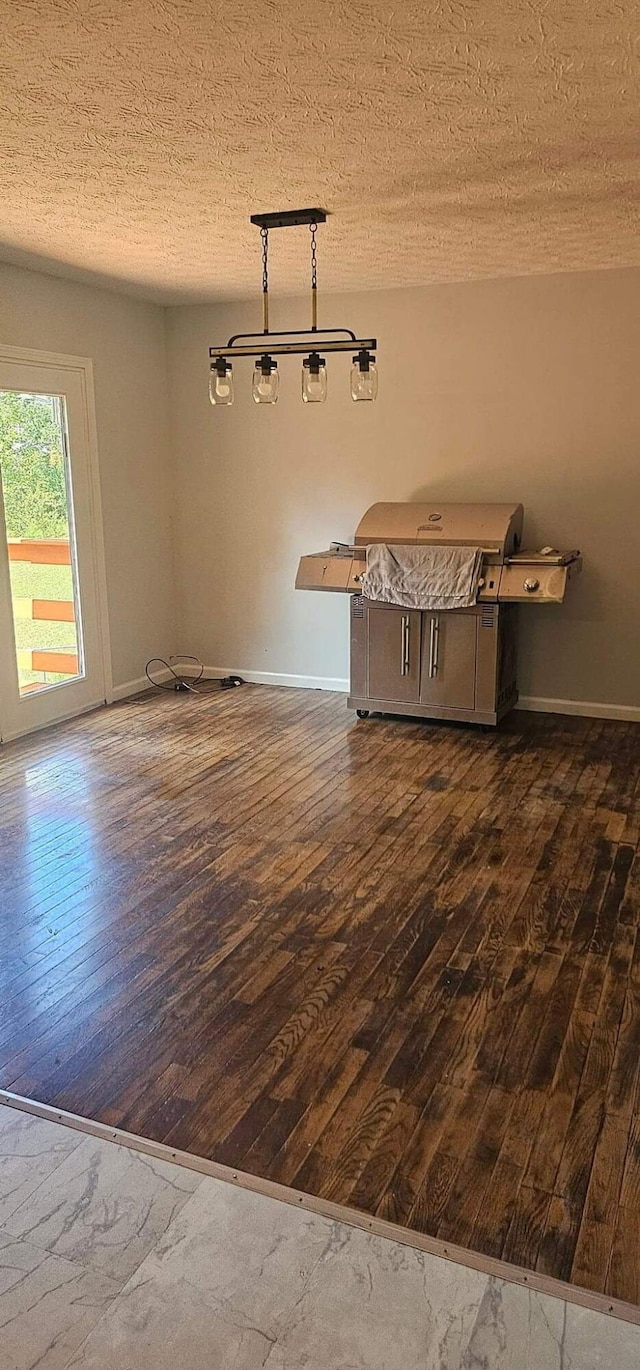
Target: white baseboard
(136,687)
(626,713)
(130,687)
(297,682)
(629,713)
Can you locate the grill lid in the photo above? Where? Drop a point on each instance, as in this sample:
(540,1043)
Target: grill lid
(496,528)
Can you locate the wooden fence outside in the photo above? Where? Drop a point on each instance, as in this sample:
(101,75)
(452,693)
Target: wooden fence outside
(44,552)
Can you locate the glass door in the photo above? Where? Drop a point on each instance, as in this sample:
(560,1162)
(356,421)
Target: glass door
(51,630)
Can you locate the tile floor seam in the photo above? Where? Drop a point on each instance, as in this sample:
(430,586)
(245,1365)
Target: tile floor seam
(96,1325)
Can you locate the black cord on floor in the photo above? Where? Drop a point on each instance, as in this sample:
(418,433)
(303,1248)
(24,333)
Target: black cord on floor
(187,684)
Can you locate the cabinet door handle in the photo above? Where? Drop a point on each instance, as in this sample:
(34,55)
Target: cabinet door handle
(434,636)
(405,645)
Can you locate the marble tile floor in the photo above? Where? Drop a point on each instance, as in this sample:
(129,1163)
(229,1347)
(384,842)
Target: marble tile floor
(111,1259)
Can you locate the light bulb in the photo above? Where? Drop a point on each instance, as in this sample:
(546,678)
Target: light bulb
(364,376)
(314,379)
(221,382)
(266,381)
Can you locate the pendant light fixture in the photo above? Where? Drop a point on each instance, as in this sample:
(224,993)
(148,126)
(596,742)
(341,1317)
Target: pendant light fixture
(221,382)
(265,380)
(303,342)
(314,379)
(364,376)
(314,367)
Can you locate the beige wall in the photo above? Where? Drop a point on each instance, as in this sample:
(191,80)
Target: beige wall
(506,390)
(125,339)
(522,389)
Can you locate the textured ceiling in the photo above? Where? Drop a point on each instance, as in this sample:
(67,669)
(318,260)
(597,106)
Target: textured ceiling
(449,139)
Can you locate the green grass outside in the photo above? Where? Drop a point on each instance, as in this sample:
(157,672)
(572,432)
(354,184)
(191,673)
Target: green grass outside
(42,582)
(33,475)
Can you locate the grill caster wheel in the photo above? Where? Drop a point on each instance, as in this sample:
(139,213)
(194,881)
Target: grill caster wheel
(362,713)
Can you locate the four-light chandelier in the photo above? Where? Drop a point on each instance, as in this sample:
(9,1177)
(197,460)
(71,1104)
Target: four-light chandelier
(266,347)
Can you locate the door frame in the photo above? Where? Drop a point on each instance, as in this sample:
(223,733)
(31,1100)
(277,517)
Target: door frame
(82,368)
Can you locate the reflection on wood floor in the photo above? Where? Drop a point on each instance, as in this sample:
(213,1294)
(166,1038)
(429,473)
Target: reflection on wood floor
(396,964)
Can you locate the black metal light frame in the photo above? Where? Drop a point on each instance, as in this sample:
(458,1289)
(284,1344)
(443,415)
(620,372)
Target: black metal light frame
(259,344)
(241,346)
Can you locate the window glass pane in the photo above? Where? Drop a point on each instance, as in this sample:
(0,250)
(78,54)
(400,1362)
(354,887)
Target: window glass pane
(38,507)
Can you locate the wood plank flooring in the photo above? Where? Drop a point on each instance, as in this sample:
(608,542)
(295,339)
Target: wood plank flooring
(391,963)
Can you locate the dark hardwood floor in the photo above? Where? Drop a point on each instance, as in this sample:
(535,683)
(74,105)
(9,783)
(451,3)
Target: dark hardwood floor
(394,964)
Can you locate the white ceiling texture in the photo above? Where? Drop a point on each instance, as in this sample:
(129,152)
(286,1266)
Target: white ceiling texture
(448,139)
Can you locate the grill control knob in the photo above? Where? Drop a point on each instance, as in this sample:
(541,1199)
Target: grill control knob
(531,586)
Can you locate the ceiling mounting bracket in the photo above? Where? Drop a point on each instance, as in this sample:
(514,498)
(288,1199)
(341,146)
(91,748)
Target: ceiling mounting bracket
(290,218)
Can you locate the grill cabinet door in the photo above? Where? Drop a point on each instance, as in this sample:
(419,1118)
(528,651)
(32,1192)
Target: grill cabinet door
(393,656)
(448,672)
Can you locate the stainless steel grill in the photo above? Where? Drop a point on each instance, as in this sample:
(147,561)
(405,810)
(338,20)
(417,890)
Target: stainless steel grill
(457,663)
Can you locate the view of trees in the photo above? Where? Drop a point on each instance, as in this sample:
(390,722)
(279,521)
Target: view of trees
(32,465)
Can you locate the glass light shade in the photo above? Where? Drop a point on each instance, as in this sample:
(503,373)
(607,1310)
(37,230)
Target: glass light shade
(221,384)
(364,384)
(314,379)
(266,382)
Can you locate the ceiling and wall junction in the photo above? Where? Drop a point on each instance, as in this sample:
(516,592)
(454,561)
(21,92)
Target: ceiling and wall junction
(449,140)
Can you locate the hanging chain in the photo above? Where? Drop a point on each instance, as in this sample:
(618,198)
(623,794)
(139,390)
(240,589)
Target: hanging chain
(264,234)
(313,229)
